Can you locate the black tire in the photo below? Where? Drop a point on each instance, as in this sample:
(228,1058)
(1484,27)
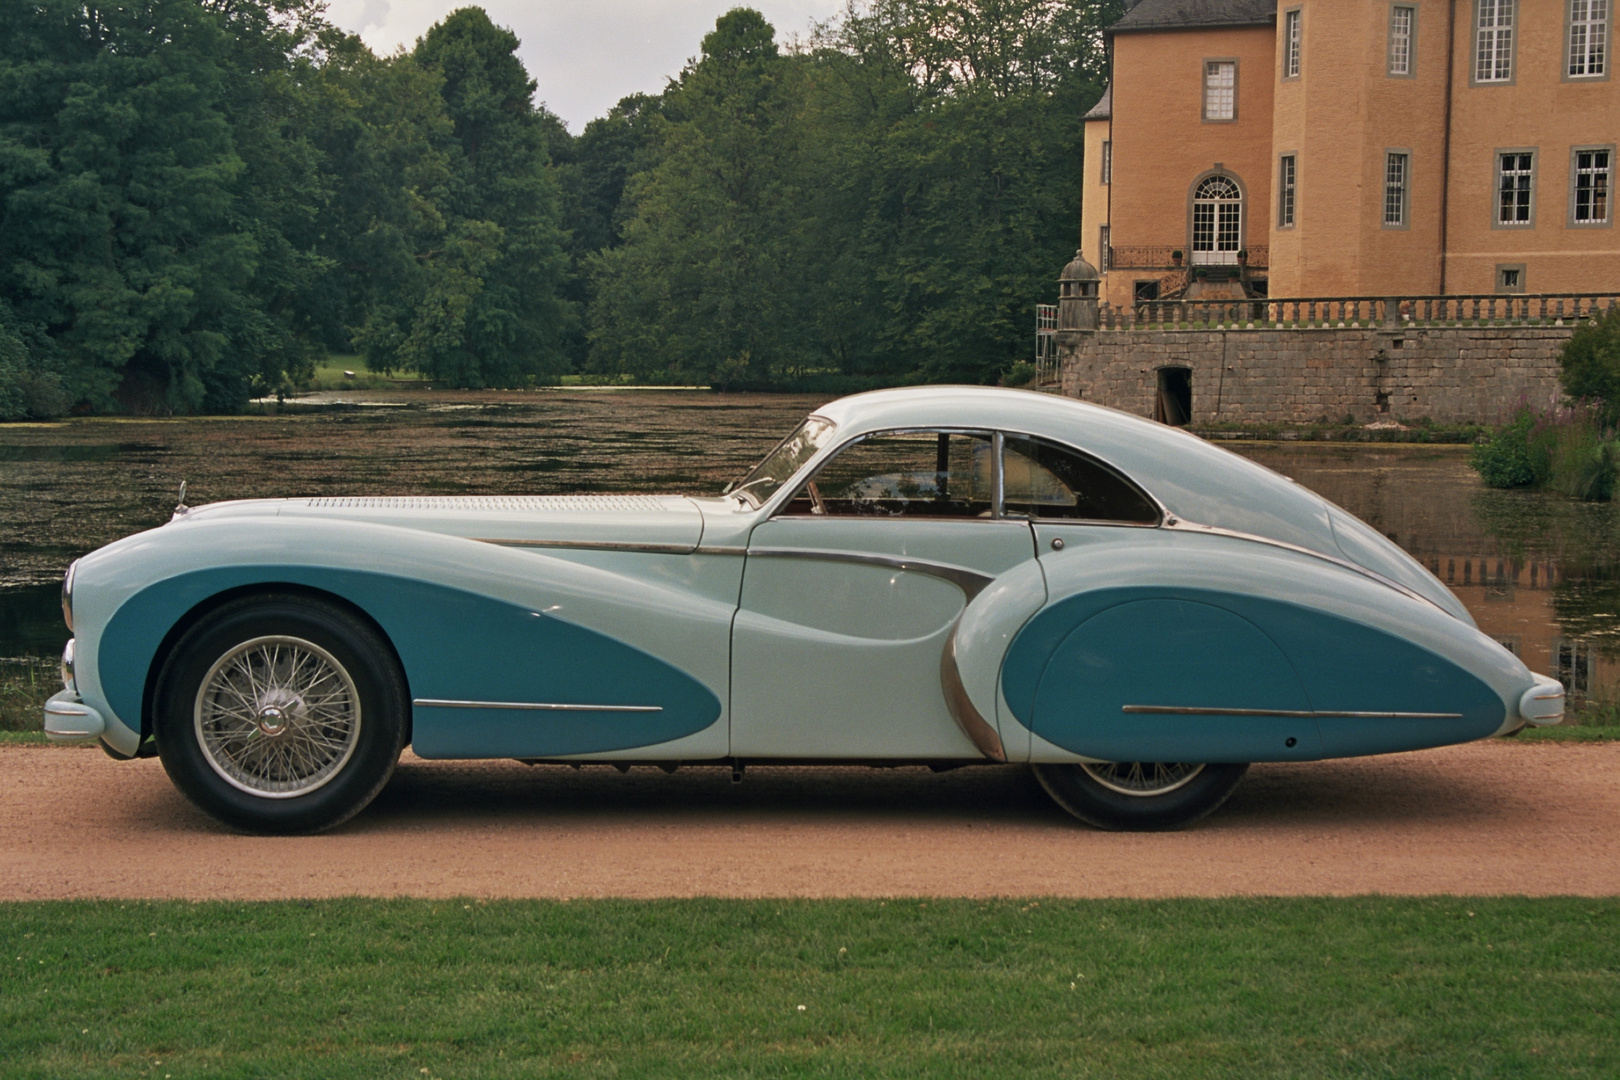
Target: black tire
(303,718)
(1163,800)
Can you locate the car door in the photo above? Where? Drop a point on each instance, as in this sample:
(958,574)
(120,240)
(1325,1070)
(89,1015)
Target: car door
(851,592)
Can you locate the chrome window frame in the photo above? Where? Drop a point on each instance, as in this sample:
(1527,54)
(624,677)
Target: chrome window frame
(998,493)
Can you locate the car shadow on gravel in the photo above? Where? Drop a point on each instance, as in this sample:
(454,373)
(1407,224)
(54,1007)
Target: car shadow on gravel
(1369,791)
(423,792)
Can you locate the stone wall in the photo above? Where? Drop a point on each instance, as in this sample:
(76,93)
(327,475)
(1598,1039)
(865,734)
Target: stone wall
(1447,374)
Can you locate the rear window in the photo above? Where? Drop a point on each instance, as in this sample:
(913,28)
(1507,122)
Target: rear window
(1045,480)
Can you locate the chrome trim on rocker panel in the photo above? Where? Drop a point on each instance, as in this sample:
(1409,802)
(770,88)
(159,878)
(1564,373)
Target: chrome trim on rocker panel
(1303,714)
(973,725)
(1178,525)
(971,582)
(446,703)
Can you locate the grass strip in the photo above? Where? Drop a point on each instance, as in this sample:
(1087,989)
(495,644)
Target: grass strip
(1366,986)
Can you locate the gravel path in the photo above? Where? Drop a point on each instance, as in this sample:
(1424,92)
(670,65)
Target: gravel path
(1486,818)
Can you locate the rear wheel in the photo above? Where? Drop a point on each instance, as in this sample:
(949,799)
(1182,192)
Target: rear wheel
(281,714)
(1139,796)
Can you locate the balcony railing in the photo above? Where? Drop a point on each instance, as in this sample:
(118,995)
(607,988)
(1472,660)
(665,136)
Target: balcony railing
(1324,313)
(1162,258)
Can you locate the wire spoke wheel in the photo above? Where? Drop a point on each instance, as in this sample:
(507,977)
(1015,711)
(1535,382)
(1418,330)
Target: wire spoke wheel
(1142,778)
(277,717)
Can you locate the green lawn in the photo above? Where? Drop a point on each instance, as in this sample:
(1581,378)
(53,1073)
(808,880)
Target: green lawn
(1184,989)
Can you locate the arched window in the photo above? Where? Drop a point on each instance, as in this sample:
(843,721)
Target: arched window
(1217,221)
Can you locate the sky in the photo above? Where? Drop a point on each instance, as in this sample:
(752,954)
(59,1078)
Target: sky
(585,54)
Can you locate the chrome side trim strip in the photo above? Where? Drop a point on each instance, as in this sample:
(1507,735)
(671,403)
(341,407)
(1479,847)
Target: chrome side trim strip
(599,545)
(539,706)
(971,582)
(1303,714)
(973,725)
(1178,525)
(716,549)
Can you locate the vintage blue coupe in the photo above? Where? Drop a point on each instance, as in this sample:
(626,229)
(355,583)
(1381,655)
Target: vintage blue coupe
(943,576)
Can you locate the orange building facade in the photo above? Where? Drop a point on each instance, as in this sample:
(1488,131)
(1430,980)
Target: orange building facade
(1333,148)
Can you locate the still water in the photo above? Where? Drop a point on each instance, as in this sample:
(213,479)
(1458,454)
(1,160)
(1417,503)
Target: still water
(1540,573)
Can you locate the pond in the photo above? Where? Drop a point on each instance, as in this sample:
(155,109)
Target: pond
(1540,573)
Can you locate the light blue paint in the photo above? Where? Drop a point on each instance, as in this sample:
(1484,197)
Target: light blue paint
(1075,664)
(454,645)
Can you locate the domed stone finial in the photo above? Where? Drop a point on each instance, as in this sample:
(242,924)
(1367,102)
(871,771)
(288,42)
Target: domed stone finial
(1077,295)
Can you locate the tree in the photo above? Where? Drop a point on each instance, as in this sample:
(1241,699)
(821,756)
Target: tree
(138,232)
(701,287)
(887,205)
(1590,363)
(486,309)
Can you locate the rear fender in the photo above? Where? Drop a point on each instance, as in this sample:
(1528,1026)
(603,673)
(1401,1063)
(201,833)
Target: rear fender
(1166,646)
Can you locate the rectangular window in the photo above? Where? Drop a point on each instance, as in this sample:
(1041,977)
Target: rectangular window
(1220,90)
(1402,22)
(1395,179)
(1285,192)
(1103,253)
(1515,185)
(1594,183)
(1291,44)
(1588,38)
(1493,41)
(1107,162)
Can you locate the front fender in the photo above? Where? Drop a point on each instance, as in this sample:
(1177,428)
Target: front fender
(470,620)
(1164,646)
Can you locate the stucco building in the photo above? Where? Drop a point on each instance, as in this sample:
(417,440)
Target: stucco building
(1322,148)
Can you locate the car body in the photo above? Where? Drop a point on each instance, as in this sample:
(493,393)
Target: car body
(941,575)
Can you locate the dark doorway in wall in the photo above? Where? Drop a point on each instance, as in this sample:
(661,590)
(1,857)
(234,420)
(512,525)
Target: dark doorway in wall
(1146,291)
(1173,405)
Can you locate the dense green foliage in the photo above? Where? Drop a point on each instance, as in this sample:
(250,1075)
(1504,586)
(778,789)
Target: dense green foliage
(1569,449)
(906,987)
(200,197)
(1590,365)
(888,203)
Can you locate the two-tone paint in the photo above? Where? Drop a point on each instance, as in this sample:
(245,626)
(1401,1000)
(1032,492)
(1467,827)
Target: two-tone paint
(1253,622)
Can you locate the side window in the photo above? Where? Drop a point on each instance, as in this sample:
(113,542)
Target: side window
(1045,480)
(923,474)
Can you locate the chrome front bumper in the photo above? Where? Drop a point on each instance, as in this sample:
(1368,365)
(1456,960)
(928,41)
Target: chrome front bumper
(69,720)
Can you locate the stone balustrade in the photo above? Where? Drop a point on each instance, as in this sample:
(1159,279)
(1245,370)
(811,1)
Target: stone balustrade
(1338,313)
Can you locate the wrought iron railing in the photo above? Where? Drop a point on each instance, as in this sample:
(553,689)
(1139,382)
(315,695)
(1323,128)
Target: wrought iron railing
(1162,257)
(1323,313)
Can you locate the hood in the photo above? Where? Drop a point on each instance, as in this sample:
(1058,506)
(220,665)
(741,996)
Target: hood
(664,523)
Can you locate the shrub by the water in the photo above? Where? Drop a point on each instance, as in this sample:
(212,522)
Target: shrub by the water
(1508,460)
(1568,449)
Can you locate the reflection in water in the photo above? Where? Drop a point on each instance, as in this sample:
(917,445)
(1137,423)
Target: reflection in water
(1539,572)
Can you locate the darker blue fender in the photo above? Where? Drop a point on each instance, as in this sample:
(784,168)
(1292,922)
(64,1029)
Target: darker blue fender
(457,646)
(1088,672)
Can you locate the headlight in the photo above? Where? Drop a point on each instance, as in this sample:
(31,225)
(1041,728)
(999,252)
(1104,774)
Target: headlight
(67,594)
(68,682)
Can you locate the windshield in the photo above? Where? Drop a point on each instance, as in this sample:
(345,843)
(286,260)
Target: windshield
(780,464)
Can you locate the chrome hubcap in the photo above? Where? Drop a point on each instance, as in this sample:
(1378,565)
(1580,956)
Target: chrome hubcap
(1141,778)
(277,717)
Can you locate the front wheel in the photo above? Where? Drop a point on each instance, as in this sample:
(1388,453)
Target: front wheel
(1139,796)
(281,714)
